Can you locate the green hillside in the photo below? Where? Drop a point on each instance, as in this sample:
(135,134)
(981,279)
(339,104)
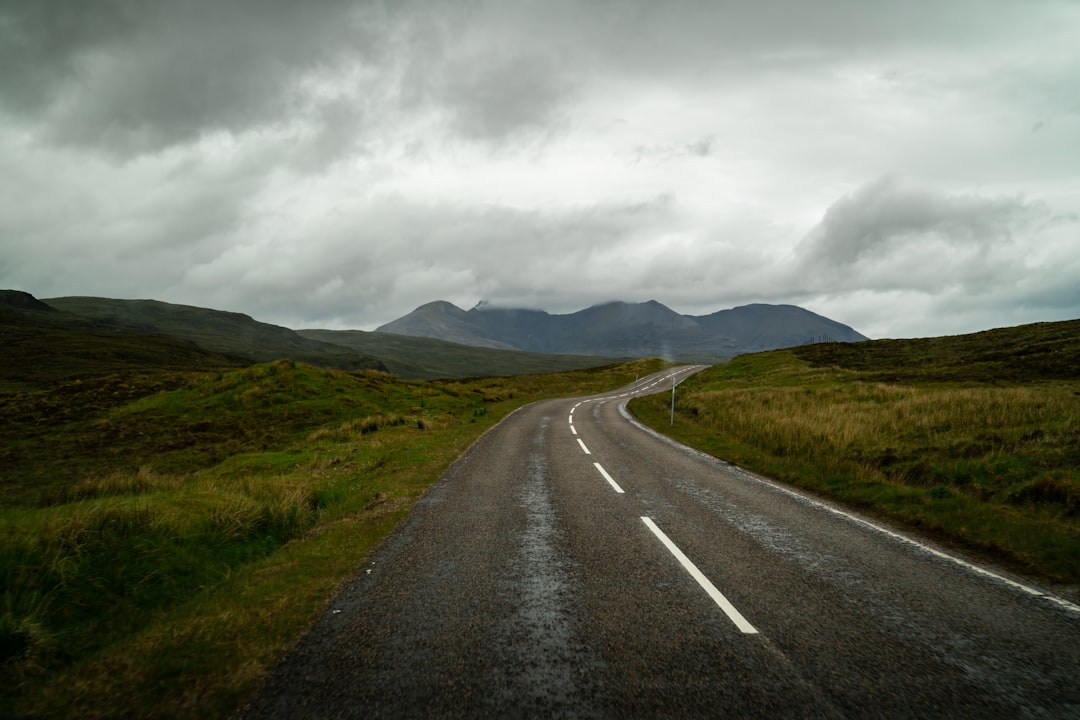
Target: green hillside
(238,335)
(974,439)
(421,358)
(164,535)
(1024,354)
(215,330)
(43,347)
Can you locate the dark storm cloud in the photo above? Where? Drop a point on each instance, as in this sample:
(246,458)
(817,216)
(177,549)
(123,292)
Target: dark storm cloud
(138,76)
(134,76)
(42,43)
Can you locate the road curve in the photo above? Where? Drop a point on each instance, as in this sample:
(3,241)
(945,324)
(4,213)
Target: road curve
(572,564)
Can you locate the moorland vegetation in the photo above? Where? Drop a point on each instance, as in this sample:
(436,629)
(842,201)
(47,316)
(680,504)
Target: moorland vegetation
(165,531)
(972,439)
(173,514)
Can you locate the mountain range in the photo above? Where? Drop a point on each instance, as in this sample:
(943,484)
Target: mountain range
(620,329)
(72,337)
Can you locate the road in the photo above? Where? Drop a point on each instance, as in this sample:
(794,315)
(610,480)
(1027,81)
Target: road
(572,564)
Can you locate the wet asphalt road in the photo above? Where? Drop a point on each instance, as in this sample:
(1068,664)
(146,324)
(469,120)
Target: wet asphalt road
(526,585)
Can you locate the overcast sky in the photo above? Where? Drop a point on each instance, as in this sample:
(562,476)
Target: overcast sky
(907,167)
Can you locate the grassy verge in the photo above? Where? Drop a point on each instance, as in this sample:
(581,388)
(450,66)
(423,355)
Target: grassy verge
(163,538)
(928,438)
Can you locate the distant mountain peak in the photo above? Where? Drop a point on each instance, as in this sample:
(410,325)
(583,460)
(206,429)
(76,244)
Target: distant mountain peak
(621,329)
(440,305)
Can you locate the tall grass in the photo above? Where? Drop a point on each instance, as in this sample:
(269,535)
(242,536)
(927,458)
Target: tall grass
(994,466)
(78,575)
(917,435)
(356,429)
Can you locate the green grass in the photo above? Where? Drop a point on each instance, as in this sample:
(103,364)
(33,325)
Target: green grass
(972,439)
(164,536)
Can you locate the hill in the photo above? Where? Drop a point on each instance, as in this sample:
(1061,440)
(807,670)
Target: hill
(217,331)
(1026,353)
(768,327)
(425,358)
(620,329)
(242,338)
(43,346)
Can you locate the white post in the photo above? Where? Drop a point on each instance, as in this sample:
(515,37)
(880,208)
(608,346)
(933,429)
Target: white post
(673,401)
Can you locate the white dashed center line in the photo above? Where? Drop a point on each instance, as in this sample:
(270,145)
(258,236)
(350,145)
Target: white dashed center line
(608,478)
(718,597)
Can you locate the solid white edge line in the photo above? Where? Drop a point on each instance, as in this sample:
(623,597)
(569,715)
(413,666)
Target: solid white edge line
(747,475)
(718,597)
(608,478)
(579,442)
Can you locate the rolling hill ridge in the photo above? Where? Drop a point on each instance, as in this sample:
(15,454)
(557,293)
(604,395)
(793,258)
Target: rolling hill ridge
(216,330)
(69,338)
(81,336)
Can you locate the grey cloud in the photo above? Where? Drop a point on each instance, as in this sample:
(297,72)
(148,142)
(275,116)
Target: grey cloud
(342,161)
(483,69)
(134,77)
(647,38)
(42,43)
(336,134)
(700,148)
(888,214)
(384,256)
(103,232)
(949,259)
(494,98)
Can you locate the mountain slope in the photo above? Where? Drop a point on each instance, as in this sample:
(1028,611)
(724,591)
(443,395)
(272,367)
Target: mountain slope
(217,331)
(443,321)
(621,329)
(44,346)
(1035,352)
(767,327)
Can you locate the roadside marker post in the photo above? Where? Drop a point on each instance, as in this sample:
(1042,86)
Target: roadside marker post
(672,401)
